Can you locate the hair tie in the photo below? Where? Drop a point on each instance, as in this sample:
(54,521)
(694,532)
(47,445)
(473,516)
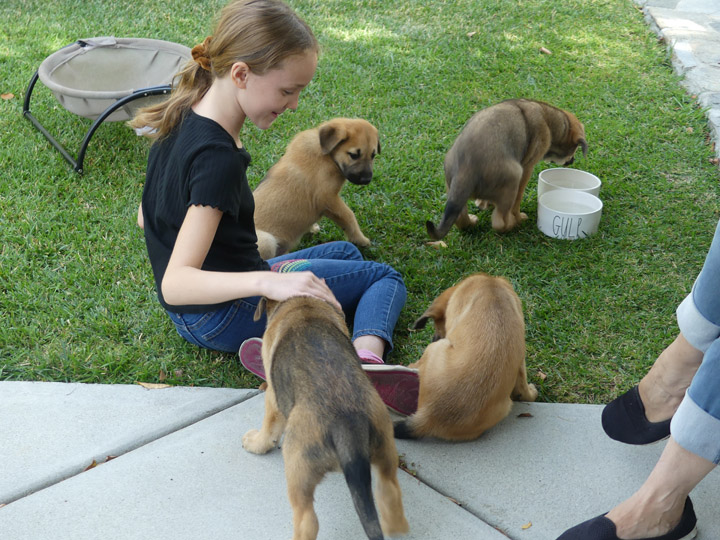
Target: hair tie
(200,55)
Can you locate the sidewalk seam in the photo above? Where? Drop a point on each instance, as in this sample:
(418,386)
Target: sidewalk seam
(77,469)
(455,501)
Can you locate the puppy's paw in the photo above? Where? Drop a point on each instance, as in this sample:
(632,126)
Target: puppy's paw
(482,204)
(254,442)
(523,216)
(529,393)
(473,219)
(361,241)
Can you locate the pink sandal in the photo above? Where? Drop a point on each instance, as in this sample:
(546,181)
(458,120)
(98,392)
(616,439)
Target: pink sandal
(250,356)
(397,385)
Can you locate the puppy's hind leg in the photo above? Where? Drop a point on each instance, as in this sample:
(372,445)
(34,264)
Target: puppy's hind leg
(506,215)
(301,482)
(456,212)
(522,390)
(388,493)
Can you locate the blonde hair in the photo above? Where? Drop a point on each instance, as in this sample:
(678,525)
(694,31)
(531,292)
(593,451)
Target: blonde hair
(261,33)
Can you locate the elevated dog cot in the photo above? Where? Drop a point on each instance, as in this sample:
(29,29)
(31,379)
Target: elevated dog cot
(106,78)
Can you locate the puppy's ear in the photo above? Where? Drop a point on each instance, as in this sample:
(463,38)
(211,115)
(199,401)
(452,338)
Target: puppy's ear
(420,323)
(261,307)
(331,134)
(583,145)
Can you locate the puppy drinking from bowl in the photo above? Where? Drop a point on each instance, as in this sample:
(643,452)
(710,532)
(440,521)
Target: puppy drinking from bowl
(493,158)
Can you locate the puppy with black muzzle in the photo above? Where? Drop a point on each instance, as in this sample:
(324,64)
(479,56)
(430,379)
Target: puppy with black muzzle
(475,365)
(331,415)
(494,156)
(305,184)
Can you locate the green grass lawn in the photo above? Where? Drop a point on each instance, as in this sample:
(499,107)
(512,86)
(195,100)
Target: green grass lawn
(77,301)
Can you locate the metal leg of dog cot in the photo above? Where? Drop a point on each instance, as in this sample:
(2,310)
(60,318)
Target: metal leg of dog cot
(35,122)
(77,164)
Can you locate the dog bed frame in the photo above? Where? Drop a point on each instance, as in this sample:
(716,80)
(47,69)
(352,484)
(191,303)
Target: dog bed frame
(106,78)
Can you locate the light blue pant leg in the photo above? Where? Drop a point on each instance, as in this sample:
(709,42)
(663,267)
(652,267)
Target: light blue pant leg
(696,424)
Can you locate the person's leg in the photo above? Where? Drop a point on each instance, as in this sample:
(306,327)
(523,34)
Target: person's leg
(642,415)
(371,293)
(663,387)
(221,330)
(339,250)
(656,508)
(661,508)
(227,328)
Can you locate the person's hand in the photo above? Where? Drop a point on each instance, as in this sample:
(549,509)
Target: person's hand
(286,285)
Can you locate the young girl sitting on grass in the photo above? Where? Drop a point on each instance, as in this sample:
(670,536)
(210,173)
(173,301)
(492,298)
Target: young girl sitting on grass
(197,207)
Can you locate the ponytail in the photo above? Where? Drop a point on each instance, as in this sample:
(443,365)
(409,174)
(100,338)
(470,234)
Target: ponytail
(261,33)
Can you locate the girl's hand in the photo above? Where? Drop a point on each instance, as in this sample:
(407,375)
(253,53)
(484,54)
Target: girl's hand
(283,286)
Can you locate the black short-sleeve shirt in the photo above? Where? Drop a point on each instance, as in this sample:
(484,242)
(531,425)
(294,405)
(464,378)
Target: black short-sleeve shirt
(199,164)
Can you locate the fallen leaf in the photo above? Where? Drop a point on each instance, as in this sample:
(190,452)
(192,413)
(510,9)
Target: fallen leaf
(541,375)
(527,526)
(471,34)
(162,376)
(7,96)
(525,415)
(715,161)
(153,386)
(437,244)
(92,465)
(109,458)
(690,130)
(545,51)
(405,467)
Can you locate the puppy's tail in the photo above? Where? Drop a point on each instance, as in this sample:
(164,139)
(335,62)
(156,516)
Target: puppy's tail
(351,445)
(404,429)
(452,211)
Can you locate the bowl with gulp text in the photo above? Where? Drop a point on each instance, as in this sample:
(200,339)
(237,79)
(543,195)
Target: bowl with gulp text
(561,178)
(569,214)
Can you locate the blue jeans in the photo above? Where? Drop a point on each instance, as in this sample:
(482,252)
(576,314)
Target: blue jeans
(696,424)
(372,295)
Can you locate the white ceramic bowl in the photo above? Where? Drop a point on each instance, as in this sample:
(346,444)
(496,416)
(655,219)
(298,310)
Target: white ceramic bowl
(560,178)
(569,214)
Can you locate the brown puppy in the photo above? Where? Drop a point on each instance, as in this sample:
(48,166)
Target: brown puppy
(332,417)
(305,184)
(493,158)
(476,363)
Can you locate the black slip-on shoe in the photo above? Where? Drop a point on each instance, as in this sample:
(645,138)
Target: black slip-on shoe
(624,420)
(601,528)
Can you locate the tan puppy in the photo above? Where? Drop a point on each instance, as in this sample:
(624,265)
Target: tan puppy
(493,158)
(332,417)
(305,184)
(476,364)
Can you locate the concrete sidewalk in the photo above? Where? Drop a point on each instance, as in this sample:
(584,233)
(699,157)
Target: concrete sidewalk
(170,463)
(691,30)
(178,471)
